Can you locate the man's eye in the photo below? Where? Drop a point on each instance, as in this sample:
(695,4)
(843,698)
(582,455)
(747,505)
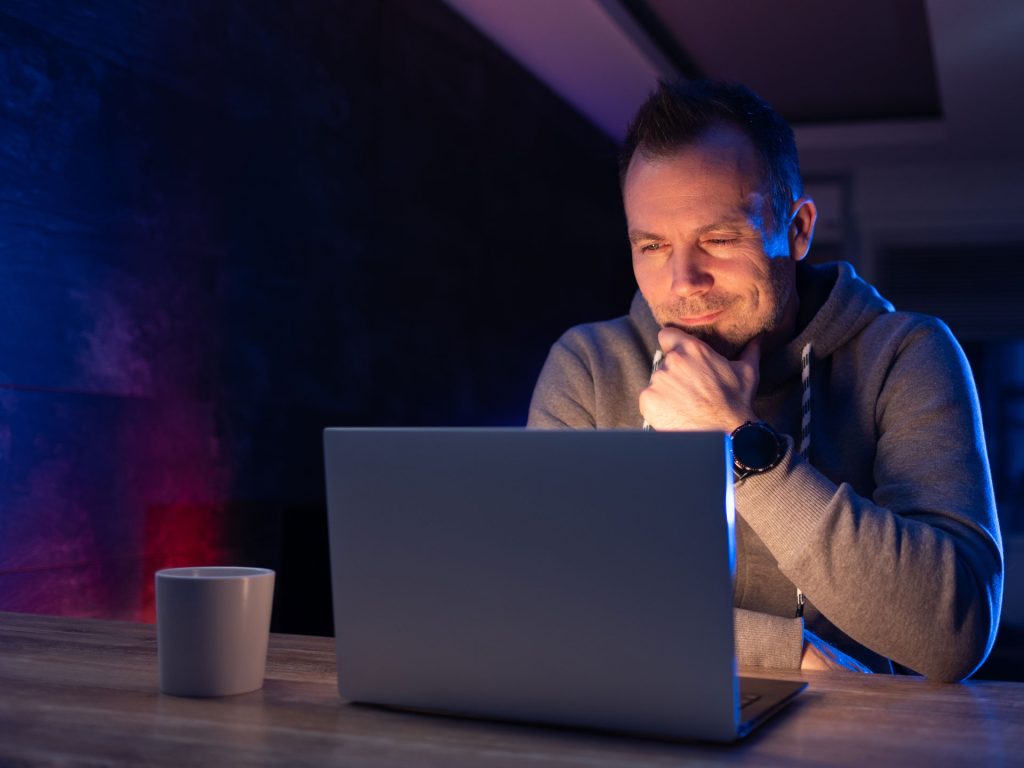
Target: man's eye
(650,247)
(720,241)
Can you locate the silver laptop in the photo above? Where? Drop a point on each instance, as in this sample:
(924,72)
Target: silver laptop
(576,578)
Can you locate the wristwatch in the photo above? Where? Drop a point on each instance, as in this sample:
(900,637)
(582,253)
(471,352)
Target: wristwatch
(756,448)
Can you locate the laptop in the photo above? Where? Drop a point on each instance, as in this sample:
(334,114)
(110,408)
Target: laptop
(572,578)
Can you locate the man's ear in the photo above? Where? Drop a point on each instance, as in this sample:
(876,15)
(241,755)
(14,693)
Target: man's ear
(800,232)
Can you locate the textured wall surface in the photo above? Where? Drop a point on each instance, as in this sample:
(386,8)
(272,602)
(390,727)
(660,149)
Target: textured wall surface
(225,226)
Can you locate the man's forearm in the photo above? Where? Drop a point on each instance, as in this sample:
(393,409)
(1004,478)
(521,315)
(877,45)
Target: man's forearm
(912,591)
(767,642)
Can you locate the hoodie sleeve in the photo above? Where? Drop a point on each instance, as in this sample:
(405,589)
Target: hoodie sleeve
(564,394)
(915,571)
(764,641)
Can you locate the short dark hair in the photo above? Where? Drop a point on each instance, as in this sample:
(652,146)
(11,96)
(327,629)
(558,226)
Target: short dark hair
(678,113)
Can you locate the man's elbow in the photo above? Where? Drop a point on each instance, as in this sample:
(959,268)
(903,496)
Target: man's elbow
(955,656)
(950,670)
(953,668)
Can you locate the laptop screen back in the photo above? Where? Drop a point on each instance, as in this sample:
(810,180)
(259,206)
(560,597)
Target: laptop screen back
(577,578)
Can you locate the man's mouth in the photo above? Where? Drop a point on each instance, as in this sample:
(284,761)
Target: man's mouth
(693,320)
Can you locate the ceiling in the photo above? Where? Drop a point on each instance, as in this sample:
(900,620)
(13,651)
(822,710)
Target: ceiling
(872,81)
(828,62)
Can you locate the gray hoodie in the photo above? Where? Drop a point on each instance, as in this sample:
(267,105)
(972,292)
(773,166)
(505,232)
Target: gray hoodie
(888,526)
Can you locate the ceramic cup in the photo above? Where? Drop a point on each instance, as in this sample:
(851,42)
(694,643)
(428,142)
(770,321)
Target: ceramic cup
(213,624)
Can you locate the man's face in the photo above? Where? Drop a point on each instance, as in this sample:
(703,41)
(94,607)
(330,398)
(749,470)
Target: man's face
(704,255)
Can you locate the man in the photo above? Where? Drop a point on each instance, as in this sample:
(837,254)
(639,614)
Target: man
(866,527)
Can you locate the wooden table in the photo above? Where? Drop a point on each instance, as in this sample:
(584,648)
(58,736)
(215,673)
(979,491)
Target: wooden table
(84,692)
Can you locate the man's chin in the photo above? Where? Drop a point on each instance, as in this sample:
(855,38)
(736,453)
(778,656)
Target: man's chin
(730,350)
(727,348)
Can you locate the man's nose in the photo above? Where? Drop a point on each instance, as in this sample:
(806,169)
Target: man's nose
(690,273)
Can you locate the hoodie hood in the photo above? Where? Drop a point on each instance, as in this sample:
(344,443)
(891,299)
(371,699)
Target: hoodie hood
(835,305)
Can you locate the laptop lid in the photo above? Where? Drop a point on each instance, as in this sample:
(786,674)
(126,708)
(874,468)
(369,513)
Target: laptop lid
(580,578)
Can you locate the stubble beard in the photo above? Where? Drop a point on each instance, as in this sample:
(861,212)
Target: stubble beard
(729,340)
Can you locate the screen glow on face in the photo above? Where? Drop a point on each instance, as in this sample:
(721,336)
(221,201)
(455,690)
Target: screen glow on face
(703,256)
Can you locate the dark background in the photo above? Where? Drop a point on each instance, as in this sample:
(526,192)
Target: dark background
(225,226)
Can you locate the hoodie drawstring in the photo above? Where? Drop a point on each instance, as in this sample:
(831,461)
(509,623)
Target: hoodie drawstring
(805,433)
(805,400)
(655,365)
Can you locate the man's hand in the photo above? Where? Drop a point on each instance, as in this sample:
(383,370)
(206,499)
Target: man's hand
(820,656)
(698,389)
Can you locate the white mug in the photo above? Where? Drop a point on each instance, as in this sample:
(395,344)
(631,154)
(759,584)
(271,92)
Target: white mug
(213,625)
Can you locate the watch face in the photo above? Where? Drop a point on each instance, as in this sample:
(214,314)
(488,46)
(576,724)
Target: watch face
(756,447)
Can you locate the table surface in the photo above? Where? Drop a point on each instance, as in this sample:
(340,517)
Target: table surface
(84,692)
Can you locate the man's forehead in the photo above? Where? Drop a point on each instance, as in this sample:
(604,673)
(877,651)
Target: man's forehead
(721,170)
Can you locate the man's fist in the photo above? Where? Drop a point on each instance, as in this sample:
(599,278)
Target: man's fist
(698,389)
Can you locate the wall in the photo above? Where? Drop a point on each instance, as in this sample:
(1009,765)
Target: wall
(225,226)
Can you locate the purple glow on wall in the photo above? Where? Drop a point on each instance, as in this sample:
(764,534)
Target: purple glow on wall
(109,449)
(193,281)
(105,491)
